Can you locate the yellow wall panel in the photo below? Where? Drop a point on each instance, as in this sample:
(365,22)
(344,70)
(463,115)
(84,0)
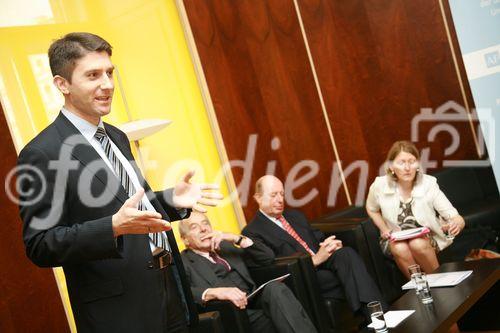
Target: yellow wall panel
(158,81)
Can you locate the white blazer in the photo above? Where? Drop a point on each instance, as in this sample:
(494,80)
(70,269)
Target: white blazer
(428,199)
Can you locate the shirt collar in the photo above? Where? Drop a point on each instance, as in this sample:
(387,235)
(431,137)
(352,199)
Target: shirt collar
(274,219)
(87,129)
(202,253)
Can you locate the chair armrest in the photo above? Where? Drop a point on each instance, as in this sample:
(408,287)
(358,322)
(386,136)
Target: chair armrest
(294,265)
(209,322)
(233,319)
(351,233)
(281,266)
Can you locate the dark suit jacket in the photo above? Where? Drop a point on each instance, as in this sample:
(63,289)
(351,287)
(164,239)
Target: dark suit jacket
(277,239)
(356,286)
(201,275)
(111,285)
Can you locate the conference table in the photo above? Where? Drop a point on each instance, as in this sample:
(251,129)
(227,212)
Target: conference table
(474,303)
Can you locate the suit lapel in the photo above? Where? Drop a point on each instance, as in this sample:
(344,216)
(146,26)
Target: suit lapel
(270,227)
(304,234)
(74,143)
(238,265)
(202,267)
(124,148)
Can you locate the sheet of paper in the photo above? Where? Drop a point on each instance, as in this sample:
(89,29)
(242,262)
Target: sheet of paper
(409,233)
(394,318)
(279,279)
(448,279)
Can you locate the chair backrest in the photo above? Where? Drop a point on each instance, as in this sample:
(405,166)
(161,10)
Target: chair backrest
(348,212)
(463,185)
(305,290)
(488,182)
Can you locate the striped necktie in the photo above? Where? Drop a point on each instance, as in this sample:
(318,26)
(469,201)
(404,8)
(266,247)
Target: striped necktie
(288,228)
(158,238)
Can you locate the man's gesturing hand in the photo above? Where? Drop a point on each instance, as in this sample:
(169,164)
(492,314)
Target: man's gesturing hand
(195,196)
(130,220)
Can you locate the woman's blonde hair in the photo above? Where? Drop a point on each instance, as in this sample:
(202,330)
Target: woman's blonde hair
(396,148)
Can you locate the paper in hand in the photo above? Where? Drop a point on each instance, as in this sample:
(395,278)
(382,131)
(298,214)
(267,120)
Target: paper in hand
(278,279)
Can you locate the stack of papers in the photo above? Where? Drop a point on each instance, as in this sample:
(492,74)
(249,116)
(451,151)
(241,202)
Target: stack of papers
(409,233)
(442,279)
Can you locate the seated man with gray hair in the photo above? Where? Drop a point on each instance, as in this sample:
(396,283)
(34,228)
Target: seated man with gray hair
(215,268)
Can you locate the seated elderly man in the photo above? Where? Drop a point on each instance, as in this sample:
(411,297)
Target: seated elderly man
(215,268)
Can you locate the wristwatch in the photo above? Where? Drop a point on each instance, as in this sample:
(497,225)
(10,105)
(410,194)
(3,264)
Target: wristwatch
(239,240)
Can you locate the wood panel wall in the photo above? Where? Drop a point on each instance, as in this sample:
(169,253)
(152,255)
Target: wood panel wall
(29,298)
(377,63)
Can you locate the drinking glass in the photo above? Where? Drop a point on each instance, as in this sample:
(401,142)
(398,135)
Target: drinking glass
(424,292)
(414,272)
(377,316)
(414,269)
(447,233)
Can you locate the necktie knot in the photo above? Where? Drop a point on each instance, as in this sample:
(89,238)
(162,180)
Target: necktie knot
(100,134)
(218,260)
(214,256)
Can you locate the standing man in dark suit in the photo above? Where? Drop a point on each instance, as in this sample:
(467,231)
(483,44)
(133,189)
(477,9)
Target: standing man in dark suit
(83,206)
(340,271)
(216,270)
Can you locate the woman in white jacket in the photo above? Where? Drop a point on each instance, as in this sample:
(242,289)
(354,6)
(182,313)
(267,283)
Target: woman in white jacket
(404,199)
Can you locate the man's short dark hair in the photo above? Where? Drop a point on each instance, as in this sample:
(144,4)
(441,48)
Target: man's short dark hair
(64,52)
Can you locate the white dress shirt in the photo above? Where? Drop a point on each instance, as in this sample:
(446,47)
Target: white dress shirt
(273,219)
(88,130)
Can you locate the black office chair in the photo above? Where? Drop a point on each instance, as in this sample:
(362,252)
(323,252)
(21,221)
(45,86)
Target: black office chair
(336,313)
(328,315)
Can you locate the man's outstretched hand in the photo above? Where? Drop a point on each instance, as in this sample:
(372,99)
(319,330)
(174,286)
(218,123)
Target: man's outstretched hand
(130,220)
(195,196)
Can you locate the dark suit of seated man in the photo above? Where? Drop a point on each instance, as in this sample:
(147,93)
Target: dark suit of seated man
(215,268)
(340,270)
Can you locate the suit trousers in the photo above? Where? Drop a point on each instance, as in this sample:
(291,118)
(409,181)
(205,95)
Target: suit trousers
(176,318)
(277,310)
(344,276)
